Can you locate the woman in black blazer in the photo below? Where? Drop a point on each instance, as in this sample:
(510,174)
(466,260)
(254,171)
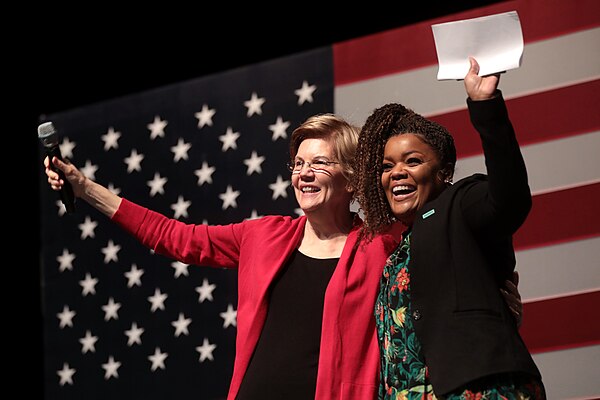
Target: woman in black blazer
(444,330)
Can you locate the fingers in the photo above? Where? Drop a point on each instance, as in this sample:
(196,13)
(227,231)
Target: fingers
(516,278)
(514,306)
(53,177)
(512,289)
(513,300)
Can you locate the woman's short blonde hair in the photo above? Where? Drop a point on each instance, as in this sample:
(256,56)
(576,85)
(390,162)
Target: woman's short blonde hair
(342,135)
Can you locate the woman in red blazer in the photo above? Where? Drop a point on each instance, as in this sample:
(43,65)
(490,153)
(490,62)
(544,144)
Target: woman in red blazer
(306,289)
(444,330)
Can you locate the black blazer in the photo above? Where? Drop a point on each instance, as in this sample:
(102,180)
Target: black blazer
(461,253)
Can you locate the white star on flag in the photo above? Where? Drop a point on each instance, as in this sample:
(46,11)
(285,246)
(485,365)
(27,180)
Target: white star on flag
(157,300)
(181,207)
(157,184)
(158,359)
(229,139)
(87,228)
(229,317)
(134,335)
(206,350)
(181,325)
(279,188)
(88,284)
(205,291)
(254,105)
(180,268)
(65,260)
(134,276)
(111,309)
(305,93)
(110,368)
(254,163)
(66,317)
(88,342)
(110,252)
(66,375)
(180,151)
(111,139)
(205,116)
(229,197)
(157,127)
(204,174)
(279,129)
(66,148)
(134,161)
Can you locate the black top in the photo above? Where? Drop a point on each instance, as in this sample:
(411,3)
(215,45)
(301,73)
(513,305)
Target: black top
(284,363)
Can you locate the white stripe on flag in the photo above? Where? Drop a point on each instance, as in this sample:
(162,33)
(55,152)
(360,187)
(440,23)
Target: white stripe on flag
(557,372)
(552,165)
(564,60)
(558,270)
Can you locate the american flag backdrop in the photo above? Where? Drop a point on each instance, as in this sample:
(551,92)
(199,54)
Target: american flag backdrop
(123,323)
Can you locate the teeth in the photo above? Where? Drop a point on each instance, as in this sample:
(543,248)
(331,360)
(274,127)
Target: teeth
(310,189)
(402,189)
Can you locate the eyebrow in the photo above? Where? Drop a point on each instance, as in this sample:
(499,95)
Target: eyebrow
(408,154)
(315,157)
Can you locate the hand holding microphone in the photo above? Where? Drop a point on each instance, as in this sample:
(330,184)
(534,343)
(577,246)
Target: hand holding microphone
(49,138)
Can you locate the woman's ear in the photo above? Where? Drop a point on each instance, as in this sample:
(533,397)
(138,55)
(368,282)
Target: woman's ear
(445,175)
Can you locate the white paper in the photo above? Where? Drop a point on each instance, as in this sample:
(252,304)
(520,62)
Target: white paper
(495,41)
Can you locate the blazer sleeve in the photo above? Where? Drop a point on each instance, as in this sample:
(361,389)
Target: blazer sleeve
(504,200)
(217,246)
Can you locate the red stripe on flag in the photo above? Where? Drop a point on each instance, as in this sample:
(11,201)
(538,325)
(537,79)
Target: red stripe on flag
(413,46)
(561,216)
(561,323)
(543,116)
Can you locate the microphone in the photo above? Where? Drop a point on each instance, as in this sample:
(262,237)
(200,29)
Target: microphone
(49,138)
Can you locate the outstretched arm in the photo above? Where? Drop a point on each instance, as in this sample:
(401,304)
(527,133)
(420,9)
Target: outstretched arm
(84,188)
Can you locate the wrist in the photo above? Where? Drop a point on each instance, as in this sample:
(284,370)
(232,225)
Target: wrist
(483,97)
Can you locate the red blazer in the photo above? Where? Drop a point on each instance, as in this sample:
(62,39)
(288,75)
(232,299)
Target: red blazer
(349,354)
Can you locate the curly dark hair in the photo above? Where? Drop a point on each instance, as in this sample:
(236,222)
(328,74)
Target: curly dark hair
(387,121)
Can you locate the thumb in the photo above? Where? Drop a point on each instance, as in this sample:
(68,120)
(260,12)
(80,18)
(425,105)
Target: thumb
(60,164)
(474,65)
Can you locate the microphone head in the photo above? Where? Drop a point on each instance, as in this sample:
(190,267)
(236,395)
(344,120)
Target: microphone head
(47,134)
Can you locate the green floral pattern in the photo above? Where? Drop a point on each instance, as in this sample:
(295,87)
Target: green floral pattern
(403,371)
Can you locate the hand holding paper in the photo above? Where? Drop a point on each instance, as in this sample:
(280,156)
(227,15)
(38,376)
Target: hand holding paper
(495,41)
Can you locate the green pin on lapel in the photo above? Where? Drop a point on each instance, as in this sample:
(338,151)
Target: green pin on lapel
(428,213)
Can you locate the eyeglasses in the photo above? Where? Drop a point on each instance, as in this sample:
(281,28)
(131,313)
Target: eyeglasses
(315,165)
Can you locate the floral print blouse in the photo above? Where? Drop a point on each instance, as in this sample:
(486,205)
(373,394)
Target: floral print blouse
(403,371)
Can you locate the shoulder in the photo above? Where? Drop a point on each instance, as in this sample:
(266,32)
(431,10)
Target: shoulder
(274,222)
(468,180)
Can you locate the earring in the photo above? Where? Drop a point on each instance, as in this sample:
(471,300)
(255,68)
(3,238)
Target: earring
(448,181)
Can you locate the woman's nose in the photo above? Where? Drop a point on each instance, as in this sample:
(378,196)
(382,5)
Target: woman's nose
(398,172)
(306,170)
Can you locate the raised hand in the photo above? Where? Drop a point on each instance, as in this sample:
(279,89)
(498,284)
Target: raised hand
(72,174)
(480,87)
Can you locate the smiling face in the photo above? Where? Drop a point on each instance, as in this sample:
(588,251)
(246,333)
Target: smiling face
(320,187)
(411,175)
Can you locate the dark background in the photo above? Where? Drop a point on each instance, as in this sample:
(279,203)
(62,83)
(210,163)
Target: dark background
(79,57)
